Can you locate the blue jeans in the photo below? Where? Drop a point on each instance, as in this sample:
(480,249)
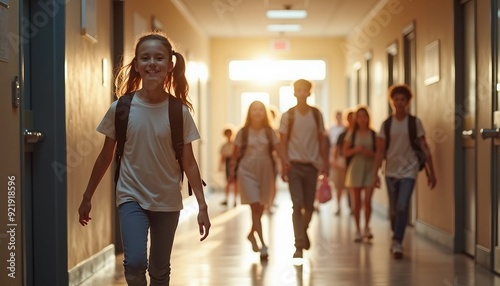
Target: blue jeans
(400,191)
(302,180)
(135,223)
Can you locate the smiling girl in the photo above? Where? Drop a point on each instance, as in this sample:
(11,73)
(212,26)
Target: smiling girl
(148,190)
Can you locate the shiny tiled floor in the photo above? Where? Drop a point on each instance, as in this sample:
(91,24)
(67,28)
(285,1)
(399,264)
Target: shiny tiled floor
(226,258)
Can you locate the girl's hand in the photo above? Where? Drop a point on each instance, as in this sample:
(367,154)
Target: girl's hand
(376,182)
(203,223)
(84,211)
(431,181)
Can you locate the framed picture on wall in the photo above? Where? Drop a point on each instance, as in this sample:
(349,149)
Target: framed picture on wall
(432,63)
(89,20)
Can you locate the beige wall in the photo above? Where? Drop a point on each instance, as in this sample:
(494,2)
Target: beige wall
(224,50)
(433,20)
(87,100)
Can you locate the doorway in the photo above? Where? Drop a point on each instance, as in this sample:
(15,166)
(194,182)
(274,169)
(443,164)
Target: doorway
(410,75)
(33,120)
(468,86)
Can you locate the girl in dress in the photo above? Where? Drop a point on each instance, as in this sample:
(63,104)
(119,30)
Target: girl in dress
(252,154)
(359,149)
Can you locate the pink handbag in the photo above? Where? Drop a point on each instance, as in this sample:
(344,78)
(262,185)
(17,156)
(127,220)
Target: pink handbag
(324,191)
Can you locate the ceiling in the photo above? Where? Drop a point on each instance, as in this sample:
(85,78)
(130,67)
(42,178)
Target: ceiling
(247,18)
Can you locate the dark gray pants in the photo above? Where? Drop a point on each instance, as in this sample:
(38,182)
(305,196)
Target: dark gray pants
(302,181)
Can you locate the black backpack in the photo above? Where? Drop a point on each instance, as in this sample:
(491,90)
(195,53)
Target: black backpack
(174,115)
(412,130)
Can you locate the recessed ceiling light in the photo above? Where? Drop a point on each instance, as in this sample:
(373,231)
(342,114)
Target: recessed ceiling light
(286,14)
(284,28)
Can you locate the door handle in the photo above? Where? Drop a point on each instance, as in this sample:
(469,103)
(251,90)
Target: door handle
(469,134)
(32,137)
(490,133)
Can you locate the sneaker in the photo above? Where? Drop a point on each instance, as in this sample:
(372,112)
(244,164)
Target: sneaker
(298,253)
(252,240)
(224,203)
(397,250)
(368,233)
(358,237)
(263,253)
(337,213)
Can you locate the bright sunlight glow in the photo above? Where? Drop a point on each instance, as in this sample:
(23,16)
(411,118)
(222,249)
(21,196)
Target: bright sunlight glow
(269,70)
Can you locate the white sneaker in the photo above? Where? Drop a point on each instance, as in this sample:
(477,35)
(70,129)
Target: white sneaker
(263,253)
(397,250)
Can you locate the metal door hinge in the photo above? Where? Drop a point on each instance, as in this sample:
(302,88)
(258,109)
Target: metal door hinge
(16,92)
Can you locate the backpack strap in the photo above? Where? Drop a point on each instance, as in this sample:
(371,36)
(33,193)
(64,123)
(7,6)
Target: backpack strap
(387,132)
(269,135)
(351,145)
(316,114)
(374,140)
(176,120)
(412,130)
(121,122)
(291,118)
(244,142)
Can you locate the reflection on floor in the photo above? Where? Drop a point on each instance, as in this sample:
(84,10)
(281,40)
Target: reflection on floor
(226,257)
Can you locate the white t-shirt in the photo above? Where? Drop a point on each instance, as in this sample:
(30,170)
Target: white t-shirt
(227,149)
(334,132)
(149,173)
(401,161)
(303,145)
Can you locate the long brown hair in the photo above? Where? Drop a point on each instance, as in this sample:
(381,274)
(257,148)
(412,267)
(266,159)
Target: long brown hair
(265,122)
(128,80)
(361,109)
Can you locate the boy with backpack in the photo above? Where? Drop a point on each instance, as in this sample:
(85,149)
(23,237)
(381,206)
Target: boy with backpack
(401,142)
(303,136)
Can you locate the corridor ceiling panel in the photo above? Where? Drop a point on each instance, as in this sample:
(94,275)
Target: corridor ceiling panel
(247,18)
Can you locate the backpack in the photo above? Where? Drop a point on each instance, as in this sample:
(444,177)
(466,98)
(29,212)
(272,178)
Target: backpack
(174,115)
(412,130)
(353,138)
(244,144)
(291,118)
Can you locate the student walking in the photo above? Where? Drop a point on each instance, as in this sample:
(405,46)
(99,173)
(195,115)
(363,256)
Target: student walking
(226,151)
(338,162)
(148,189)
(401,142)
(359,149)
(254,145)
(302,134)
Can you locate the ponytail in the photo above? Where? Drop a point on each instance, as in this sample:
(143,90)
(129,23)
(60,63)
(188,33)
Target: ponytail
(177,80)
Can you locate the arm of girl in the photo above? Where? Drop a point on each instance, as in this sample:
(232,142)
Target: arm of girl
(193,174)
(100,166)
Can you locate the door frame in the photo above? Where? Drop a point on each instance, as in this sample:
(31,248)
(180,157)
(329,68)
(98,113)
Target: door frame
(495,168)
(44,170)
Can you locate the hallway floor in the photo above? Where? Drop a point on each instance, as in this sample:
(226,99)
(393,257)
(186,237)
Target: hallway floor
(226,257)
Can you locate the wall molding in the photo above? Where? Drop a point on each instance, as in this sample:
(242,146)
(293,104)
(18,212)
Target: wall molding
(90,266)
(440,237)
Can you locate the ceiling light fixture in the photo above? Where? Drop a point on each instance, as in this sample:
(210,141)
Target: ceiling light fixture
(284,28)
(286,14)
